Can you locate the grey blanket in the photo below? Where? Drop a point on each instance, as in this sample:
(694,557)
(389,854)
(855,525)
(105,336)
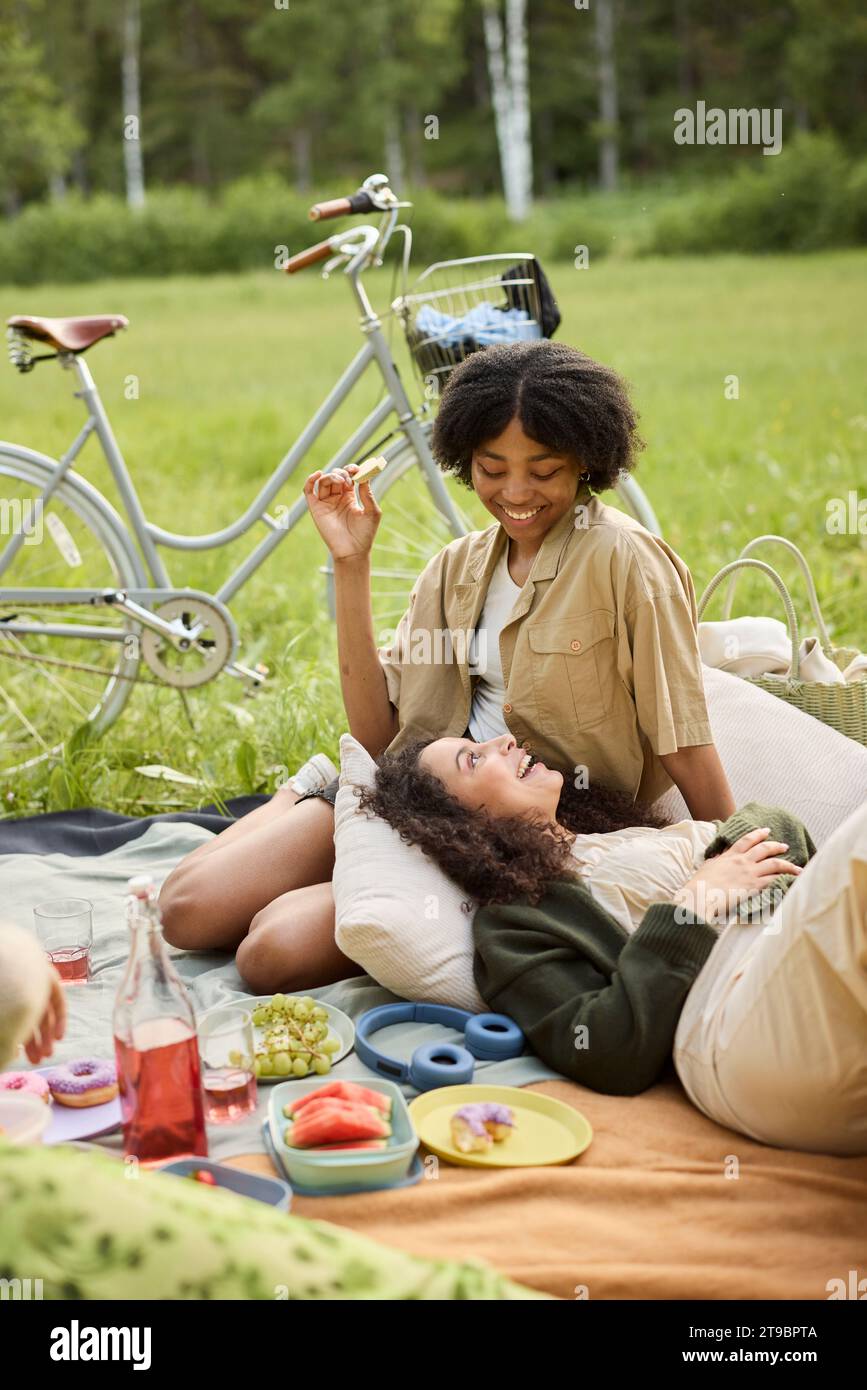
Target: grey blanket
(91,855)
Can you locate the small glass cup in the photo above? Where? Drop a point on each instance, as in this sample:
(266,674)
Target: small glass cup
(228,1080)
(64,927)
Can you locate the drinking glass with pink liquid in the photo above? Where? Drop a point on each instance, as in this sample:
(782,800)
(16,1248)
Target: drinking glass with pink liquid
(228,1078)
(155,1045)
(64,927)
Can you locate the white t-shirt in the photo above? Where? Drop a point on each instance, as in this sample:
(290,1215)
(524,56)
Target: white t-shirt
(486,713)
(627,870)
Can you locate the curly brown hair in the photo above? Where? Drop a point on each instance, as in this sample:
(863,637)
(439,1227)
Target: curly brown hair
(563,399)
(493,859)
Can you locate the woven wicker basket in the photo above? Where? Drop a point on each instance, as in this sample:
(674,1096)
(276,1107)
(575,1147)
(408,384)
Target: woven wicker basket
(842,706)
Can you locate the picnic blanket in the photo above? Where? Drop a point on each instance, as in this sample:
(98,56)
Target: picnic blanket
(91,854)
(663,1204)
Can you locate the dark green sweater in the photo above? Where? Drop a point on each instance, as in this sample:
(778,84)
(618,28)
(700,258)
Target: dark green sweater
(597,1004)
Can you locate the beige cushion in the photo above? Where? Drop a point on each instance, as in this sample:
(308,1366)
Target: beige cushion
(402,920)
(397,915)
(780,756)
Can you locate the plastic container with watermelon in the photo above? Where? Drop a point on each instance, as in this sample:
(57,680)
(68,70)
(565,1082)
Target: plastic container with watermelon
(372,1145)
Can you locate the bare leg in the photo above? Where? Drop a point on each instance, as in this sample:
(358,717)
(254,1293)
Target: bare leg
(208,902)
(291,946)
(282,801)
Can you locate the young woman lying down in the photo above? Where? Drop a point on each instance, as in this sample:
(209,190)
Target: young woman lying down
(618,942)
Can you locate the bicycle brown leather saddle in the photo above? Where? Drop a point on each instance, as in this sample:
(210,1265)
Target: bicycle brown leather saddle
(69,335)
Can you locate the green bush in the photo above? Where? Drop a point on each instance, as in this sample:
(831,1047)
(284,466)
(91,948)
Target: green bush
(800,200)
(808,197)
(256,216)
(445,229)
(559,227)
(178,231)
(856,201)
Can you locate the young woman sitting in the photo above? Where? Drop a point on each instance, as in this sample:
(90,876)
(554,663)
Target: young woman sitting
(617,942)
(571,628)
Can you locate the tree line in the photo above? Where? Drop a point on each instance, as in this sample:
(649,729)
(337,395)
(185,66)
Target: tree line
(521,97)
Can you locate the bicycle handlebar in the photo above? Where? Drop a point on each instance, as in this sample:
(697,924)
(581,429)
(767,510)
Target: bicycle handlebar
(341,207)
(374,195)
(320,252)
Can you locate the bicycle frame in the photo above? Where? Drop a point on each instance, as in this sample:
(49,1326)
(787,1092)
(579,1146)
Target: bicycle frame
(150,537)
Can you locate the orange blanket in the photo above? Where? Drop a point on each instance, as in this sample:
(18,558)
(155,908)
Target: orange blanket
(648,1211)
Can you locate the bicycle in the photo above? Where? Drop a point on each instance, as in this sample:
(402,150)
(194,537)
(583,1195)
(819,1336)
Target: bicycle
(125,623)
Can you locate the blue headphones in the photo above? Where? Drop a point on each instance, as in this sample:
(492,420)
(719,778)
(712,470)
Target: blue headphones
(488,1038)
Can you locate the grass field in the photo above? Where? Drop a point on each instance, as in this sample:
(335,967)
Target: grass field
(230,368)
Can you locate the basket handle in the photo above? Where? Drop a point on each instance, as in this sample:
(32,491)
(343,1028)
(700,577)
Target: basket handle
(824,635)
(741,564)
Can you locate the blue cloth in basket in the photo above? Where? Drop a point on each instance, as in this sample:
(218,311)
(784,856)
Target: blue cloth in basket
(484,324)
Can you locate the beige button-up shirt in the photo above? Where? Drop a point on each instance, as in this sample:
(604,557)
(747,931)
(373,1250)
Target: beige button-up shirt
(600,653)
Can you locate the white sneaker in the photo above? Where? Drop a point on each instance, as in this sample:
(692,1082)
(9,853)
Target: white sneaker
(316,773)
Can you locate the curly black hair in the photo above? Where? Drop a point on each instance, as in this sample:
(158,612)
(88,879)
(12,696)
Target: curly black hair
(493,859)
(561,396)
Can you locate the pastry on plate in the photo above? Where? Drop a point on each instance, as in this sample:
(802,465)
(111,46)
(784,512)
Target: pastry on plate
(478,1126)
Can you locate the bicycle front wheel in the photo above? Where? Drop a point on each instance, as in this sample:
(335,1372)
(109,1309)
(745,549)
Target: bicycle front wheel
(411,532)
(52,684)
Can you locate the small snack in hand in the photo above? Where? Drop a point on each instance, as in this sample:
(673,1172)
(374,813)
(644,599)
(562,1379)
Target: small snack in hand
(369,467)
(475,1127)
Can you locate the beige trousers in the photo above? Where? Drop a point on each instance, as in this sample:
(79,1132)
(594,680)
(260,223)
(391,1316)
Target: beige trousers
(772,1040)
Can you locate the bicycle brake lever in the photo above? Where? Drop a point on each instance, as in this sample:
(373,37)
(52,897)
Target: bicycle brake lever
(331,264)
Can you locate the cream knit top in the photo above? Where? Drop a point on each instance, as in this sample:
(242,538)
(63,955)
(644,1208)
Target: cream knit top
(627,870)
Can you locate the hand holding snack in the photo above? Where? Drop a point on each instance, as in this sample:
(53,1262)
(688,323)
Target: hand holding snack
(347,526)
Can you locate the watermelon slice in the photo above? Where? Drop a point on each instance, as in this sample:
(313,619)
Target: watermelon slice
(342,1090)
(334,1121)
(349,1144)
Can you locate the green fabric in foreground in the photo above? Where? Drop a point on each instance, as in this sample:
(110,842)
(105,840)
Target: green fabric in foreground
(90,1228)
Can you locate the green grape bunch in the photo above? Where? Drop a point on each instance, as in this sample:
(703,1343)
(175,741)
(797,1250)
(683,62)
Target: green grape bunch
(295,1040)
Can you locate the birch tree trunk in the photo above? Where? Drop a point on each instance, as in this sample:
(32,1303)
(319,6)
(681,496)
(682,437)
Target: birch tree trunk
(499,93)
(510,96)
(608,105)
(519,90)
(132,156)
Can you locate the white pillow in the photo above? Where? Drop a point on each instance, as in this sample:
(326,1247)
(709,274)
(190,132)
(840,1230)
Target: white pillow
(397,915)
(402,920)
(776,754)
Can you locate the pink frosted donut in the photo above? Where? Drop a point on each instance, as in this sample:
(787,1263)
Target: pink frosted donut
(27,1082)
(88,1081)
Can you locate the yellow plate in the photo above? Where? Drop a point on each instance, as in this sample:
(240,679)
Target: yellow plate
(546,1130)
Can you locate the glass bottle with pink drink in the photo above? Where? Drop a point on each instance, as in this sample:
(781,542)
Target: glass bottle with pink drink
(156,1047)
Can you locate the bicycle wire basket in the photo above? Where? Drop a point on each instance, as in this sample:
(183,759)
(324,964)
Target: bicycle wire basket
(457,307)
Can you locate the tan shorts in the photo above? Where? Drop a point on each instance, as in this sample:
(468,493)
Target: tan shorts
(772,1040)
